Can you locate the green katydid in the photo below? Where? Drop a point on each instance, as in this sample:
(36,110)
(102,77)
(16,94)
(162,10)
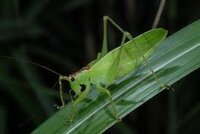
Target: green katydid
(109,66)
(104,70)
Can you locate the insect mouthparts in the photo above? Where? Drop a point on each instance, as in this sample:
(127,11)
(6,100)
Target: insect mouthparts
(72,79)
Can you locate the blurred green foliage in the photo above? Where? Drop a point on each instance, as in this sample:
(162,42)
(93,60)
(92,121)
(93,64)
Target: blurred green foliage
(64,36)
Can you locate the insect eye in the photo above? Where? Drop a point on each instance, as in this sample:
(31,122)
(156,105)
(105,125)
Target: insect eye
(72,79)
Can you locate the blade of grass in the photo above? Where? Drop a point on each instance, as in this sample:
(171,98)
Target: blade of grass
(177,57)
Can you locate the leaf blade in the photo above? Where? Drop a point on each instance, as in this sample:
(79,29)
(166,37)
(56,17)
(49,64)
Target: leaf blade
(177,57)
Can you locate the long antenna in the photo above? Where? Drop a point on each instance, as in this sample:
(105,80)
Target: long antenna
(30,62)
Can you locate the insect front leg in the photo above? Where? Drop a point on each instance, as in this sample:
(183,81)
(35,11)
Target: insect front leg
(61,88)
(112,74)
(85,90)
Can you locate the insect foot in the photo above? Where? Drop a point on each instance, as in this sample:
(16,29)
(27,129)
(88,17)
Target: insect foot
(72,115)
(58,107)
(114,112)
(119,119)
(128,35)
(69,122)
(169,87)
(166,87)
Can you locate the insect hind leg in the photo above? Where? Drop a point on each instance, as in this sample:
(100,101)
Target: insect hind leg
(104,49)
(129,36)
(162,85)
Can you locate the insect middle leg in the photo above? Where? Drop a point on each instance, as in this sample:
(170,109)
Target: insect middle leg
(106,91)
(112,75)
(61,88)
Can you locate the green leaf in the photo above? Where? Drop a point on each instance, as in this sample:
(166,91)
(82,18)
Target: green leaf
(177,56)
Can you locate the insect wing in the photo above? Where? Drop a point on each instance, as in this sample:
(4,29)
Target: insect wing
(131,56)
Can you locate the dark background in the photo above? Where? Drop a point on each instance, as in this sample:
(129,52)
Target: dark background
(65,35)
